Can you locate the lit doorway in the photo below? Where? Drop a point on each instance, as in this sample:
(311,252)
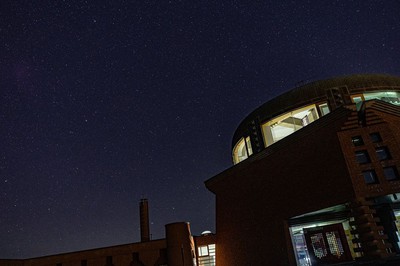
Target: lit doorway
(327,244)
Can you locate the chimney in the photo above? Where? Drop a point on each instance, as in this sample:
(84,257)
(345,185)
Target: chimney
(144,221)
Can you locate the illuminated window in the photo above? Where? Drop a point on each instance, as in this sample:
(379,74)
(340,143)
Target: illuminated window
(286,124)
(391,173)
(239,152)
(392,97)
(356,99)
(383,153)
(203,251)
(248,143)
(362,157)
(242,150)
(206,255)
(324,109)
(357,141)
(370,177)
(375,137)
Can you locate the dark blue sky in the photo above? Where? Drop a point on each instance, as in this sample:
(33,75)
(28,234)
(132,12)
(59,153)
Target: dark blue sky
(105,102)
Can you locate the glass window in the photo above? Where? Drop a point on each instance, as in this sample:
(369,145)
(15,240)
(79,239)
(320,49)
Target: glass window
(211,249)
(356,99)
(391,173)
(242,150)
(203,251)
(286,124)
(248,143)
(382,153)
(207,255)
(362,157)
(324,109)
(375,137)
(370,177)
(239,152)
(392,97)
(357,141)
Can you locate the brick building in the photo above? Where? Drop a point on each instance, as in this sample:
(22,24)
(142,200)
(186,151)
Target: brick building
(315,179)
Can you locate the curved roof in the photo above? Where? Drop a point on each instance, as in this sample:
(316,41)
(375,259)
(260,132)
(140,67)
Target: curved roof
(311,93)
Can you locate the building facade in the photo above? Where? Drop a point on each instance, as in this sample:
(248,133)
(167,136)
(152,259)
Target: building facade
(315,179)
(179,248)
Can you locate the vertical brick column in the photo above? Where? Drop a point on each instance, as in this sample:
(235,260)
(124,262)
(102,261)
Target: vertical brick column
(369,236)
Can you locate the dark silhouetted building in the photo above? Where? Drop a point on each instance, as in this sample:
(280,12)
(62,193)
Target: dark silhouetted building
(315,179)
(179,248)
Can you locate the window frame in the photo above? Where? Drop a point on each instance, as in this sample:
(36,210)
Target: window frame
(395,173)
(201,254)
(366,156)
(321,107)
(375,137)
(244,144)
(269,135)
(388,156)
(354,141)
(374,176)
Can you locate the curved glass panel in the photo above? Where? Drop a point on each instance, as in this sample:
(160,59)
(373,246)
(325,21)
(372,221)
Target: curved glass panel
(286,124)
(242,150)
(239,152)
(249,148)
(392,97)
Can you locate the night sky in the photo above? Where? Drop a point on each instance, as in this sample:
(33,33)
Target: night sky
(105,102)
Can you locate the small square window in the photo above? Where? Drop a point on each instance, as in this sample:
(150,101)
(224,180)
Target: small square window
(383,153)
(391,173)
(375,137)
(324,108)
(370,177)
(357,141)
(362,157)
(203,251)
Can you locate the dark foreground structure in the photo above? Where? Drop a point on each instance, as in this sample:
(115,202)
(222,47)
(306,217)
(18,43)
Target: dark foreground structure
(179,248)
(315,179)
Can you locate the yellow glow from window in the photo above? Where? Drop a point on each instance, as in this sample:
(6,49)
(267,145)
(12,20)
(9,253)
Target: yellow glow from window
(239,152)
(288,123)
(248,143)
(203,251)
(242,150)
